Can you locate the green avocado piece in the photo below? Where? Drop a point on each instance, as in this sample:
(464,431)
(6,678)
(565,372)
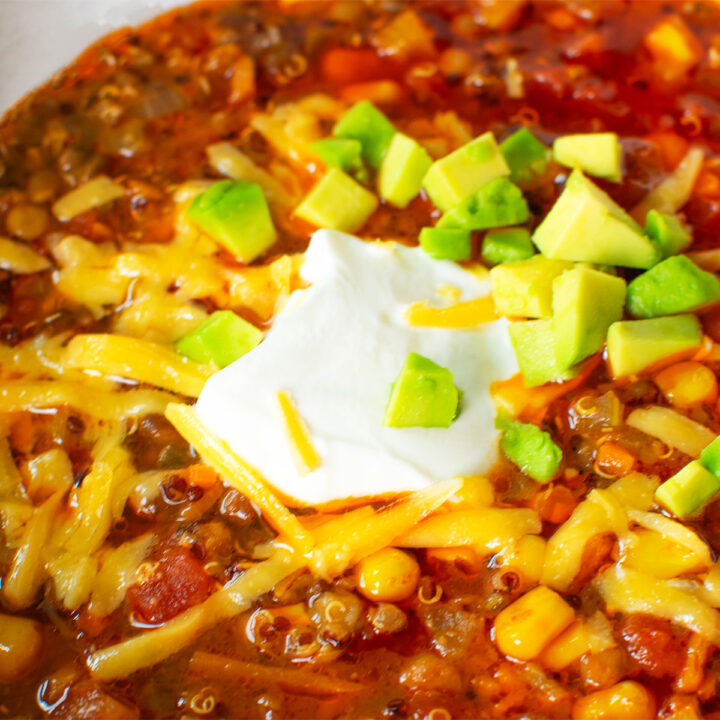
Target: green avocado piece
(598,154)
(448,244)
(525,155)
(452,178)
(337,202)
(586,225)
(364,122)
(530,448)
(423,395)
(687,492)
(402,170)
(222,339)
(634,345)
(342,153)
(236,215)
(497,204)
(507,245)
(673,286)
(585,303)
(525,288)
(534,345)
(670,235)
(710,457)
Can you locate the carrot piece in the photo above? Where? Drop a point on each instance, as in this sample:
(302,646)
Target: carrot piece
(614,460)
(380,92)
(353,65)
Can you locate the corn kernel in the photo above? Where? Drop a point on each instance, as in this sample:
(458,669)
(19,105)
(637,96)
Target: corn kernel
(687,383)
(476,492)
(525,628)
(527,554)
(566,648)
(627,700)
(389,575)
(21,644)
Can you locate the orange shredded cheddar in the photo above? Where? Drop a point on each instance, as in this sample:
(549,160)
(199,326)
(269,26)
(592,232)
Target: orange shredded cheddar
(304,453)
(460,316)
(203,476)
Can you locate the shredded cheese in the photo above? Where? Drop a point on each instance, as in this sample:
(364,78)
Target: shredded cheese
(461,316)
(239,474)
(304,453)
(94,193)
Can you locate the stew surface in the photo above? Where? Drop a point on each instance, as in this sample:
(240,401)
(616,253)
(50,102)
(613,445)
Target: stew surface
(113,527)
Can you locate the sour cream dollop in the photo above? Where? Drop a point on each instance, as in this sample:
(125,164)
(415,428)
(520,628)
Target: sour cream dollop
(335,349)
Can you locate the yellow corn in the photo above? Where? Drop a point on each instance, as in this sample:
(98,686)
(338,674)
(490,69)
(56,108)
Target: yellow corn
(525,628)
(567,648)
(21,644)
(688,383)
(389,575)
(627,700)
(476,492)
(527,554)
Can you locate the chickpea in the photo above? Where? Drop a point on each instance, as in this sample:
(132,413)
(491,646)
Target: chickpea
(389,575)
(21,644)
(27,222)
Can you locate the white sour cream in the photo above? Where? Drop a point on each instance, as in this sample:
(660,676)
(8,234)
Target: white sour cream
(335,348)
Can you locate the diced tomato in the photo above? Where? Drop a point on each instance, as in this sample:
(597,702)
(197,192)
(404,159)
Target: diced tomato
(353,65)
(178,582)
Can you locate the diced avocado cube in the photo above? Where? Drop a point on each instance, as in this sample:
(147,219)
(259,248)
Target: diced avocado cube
(585,303)
(497,204)
(586,225)
(534,345)
(670,235)
(687,492)
(364,122)
(507,245)
(423,395)
(525,288)
(710,457)
(530,448)
(448,244)
(402,170)
(222,339)
(634,345)
(452,178)
(236,215)
(525,155)
(337,202)
(673,286)
(598,154)
(341,153)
